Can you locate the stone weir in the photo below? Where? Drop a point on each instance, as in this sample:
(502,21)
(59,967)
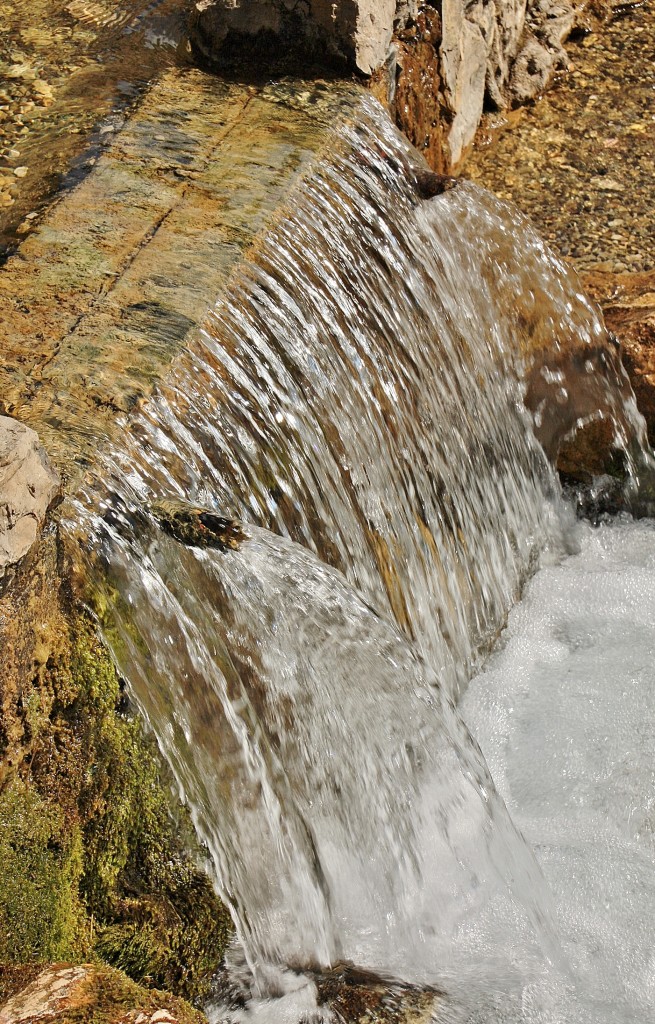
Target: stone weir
(100,298)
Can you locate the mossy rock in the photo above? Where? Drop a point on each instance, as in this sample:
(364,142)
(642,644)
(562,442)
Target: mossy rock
(87,994)
(98,859)
(41,914)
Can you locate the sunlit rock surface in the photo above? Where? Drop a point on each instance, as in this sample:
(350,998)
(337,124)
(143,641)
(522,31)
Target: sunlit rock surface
(28,485)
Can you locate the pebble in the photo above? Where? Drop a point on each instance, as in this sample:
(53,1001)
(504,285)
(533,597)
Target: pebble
(20,172)
(606,106)
(39,102)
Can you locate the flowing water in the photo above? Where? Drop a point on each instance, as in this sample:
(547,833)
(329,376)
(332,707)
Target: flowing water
(357,407)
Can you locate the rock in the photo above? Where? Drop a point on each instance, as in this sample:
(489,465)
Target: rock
(420,112)
(464,64)
(532,70)
(628,304)
(343,992)
(197,527)
(28,486)
(45,997)
(61,993)
(356,995)
(357,32)
(541,54)
(503,46)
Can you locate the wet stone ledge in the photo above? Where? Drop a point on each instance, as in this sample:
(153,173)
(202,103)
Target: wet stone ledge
(104,293)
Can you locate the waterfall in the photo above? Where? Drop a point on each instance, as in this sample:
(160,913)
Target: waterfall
(352,498)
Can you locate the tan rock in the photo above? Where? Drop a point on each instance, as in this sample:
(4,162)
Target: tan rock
(628,304)
(28,486)
(44,997)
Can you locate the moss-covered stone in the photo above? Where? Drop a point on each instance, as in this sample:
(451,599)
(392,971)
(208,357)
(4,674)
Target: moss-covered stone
(41,856)
(94,852)
(89,993)
(107,996)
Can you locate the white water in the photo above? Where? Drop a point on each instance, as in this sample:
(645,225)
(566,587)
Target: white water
(565,715)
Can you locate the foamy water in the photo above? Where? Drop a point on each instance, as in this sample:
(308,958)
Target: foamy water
(565,715)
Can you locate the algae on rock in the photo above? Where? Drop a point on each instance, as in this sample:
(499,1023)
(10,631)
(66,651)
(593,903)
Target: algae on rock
(95,856)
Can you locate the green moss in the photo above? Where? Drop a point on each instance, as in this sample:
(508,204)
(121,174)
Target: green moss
(94,851)
(108,996)
(41,917)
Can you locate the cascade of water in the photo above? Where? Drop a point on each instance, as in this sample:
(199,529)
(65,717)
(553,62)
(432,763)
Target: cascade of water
(361,396)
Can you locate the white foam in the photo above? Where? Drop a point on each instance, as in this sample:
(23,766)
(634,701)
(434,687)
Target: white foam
(565,715)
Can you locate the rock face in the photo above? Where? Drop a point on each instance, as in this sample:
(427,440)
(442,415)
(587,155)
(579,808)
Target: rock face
(28,486)
(485,54)
(434,63)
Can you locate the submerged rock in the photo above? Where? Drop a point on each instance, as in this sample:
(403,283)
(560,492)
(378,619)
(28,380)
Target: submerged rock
(197,527)
(343,993)
(353,995)
(28,486)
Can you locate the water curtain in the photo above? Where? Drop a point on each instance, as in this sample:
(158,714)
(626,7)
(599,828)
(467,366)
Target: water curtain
(308,536)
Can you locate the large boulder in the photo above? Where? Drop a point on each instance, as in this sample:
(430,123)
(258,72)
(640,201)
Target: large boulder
(28,486)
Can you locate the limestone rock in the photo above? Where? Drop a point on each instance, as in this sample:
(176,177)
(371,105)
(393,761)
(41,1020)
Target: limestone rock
(503,46)
(464,65)
(28,486)
(542,53)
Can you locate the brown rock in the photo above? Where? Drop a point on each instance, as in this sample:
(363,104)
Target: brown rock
(628,304)
(420,107)
(28,486)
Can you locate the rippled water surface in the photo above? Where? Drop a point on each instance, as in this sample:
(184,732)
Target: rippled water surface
(69,72)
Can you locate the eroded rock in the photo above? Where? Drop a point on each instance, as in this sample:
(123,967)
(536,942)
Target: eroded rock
(28,486)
